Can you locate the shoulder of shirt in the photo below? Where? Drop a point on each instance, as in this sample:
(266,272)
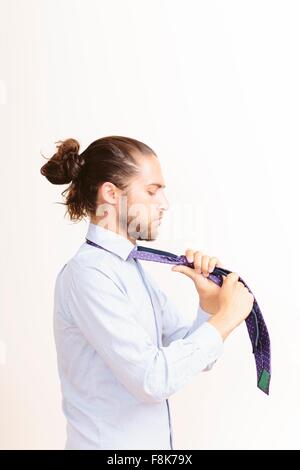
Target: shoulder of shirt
(90,261)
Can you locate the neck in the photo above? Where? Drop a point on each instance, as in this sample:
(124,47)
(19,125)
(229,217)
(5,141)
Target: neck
(113,226)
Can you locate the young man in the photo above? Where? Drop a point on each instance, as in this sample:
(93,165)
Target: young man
(123,348)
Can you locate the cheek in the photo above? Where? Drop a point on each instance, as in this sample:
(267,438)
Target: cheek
(138,197)
(141,207)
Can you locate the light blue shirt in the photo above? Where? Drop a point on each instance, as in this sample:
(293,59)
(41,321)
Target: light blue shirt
(123,348)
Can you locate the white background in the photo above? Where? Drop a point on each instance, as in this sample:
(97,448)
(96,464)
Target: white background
(213,88)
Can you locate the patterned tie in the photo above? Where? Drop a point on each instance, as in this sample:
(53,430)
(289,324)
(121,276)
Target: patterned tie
(256,326)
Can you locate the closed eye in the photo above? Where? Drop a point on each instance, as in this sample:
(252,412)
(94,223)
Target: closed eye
(151,194)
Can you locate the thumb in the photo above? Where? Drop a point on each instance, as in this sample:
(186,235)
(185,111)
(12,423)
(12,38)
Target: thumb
(184,270)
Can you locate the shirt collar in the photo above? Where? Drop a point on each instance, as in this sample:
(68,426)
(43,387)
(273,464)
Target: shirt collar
(109,240)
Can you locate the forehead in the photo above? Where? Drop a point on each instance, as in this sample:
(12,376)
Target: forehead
(150,171)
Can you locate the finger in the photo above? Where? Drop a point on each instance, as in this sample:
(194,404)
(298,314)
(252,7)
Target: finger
(212,263)
(219,264)
(189,253)
(184,270)
(232,277)
(197,261)
(204,265)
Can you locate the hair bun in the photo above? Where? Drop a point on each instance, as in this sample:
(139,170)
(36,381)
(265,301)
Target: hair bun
(65,165)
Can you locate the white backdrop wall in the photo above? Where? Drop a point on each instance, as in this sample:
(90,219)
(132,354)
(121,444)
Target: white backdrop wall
(213,87)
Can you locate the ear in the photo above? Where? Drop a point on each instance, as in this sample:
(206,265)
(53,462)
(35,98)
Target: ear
(108,193)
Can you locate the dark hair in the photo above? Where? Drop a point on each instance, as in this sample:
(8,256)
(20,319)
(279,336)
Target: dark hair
(111,158)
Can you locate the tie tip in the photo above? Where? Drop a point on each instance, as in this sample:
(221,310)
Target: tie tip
(264,381)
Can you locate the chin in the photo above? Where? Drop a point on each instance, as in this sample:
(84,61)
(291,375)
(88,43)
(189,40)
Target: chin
(149,234)
(148,237)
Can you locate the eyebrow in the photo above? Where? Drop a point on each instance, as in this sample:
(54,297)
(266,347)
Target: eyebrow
(157,184)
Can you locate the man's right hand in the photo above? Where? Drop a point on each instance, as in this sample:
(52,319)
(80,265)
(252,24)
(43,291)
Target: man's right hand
(235,304)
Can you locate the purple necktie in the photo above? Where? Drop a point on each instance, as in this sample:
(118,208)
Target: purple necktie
(256,326)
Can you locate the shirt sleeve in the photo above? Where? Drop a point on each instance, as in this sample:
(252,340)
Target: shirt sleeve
(175,324)
(101,310)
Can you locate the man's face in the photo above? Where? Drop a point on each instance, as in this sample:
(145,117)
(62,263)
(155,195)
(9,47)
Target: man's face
(146,201)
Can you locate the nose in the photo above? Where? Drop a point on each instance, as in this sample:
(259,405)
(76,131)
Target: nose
(164,205)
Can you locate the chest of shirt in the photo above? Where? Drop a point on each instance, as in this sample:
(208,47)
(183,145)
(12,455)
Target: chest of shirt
(139,296)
